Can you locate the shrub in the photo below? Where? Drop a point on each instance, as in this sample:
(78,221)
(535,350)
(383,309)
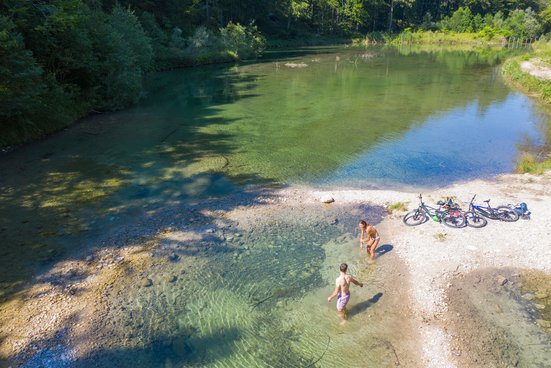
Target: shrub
(243,42)
(488,33)
(528,163)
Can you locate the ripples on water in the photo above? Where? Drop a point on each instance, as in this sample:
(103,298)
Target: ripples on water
(257,300)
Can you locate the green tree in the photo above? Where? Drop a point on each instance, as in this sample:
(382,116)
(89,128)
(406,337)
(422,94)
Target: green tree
(545,16)
(20,77)
(523,23)
(460,21)
(29,103)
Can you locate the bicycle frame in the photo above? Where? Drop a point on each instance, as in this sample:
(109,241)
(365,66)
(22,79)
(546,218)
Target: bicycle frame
(487,211)
(431,211)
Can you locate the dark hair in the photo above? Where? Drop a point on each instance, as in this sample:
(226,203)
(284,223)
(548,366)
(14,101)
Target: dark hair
(343,267)
(363,222)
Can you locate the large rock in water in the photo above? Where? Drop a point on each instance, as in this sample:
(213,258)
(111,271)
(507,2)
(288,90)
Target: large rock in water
(327,199)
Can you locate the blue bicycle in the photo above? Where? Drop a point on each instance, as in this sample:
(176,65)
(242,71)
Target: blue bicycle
(502,213)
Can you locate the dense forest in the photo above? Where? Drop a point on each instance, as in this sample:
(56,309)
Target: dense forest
(62,59)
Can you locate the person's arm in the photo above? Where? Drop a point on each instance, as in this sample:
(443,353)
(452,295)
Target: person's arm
(362,239)
(354,281)
(337,289)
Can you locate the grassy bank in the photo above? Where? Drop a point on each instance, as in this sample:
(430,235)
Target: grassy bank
(527,72)
(431,38)
(539,58)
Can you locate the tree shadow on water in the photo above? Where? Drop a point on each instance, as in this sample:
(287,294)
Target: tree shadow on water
(59,196)
(177,350)
(363,306)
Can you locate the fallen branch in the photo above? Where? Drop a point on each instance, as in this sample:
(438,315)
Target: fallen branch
(322,355)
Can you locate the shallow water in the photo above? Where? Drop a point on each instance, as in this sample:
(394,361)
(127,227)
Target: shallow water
(260,300)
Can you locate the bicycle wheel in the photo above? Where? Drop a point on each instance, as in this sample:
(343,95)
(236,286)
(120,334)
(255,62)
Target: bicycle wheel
(415,217)
(455,220)
(505,213)
(475,220)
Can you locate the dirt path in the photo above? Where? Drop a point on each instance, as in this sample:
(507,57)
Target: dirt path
(536,68)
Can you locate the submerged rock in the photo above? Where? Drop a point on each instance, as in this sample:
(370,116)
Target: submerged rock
(147,283)
(172,279)
(501,280)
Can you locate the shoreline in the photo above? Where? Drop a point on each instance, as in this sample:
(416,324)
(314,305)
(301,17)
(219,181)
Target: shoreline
(71,294)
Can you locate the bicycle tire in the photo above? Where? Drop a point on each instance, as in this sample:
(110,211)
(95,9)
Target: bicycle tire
(415,217)
(475,220)
(455,221)
(507,214)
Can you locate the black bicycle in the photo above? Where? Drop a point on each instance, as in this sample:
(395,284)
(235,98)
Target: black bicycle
(446,213)
(503,213)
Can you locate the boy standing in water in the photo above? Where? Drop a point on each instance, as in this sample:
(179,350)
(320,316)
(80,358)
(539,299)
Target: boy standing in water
(342,290)
(370,237)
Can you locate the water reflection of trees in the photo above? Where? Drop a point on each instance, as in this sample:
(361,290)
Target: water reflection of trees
(308,121)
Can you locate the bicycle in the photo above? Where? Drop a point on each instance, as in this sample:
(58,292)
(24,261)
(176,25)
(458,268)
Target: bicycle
(473,218)
(451,215)
(503,213)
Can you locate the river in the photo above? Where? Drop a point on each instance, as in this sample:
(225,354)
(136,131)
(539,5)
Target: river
(323,117)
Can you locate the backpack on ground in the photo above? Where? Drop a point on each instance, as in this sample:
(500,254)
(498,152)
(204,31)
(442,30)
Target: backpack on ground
(522,210)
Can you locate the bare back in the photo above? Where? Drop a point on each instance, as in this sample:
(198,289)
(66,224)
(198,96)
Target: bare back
(343,282)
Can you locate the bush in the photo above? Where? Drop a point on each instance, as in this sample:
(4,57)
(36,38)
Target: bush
(242,42)
(488,33)
(528,163)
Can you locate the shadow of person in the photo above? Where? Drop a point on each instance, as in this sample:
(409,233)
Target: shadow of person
(358,308)
(383,249)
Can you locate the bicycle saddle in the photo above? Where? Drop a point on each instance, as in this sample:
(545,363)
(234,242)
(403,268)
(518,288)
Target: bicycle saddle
(487,201)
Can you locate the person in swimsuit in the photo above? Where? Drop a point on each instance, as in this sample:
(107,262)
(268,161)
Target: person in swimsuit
(342,290)
(370,237)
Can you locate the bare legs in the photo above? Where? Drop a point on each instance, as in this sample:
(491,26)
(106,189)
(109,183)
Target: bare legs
(371,246)
(342,314)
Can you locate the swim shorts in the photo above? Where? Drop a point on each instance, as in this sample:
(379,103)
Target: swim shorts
(342,301)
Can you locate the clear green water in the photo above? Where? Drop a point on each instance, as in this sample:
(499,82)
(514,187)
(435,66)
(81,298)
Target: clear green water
(350,117)
(259,300)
